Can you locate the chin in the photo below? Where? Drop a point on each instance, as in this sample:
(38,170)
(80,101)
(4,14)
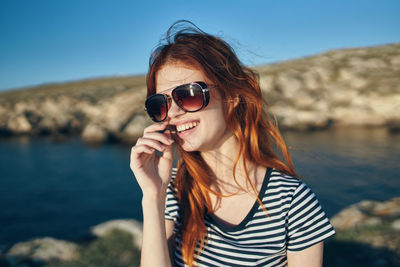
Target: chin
(189,147)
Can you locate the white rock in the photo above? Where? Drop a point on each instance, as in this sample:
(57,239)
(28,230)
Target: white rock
(388,208)
(131,226)
(348,218)
(136,126)
(94,133)
(42,250)
(266,83)
(19,124)
(396,224)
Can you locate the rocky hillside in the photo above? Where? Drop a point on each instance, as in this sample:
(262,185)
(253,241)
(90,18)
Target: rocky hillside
(352,88)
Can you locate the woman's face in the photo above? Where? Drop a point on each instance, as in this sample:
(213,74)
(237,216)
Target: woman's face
(205,129)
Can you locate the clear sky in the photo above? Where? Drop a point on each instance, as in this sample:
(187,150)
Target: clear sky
(44,41)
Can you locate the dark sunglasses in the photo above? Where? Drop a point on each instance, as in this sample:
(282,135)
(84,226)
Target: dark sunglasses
(189,97)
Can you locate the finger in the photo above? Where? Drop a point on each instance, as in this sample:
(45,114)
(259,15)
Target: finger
(155,127)
(139,156)
(139,149)
(160,137)
(151,143)
(167,153)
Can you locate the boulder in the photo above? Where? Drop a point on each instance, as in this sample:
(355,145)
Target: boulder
(94,133)
(41,250)
(367,213)
(396,225)
(135,127)
(19,124)
(348,218)
(388,208)
(120,109)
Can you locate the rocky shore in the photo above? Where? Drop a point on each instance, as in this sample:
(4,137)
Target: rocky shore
(343,88)
(368,234)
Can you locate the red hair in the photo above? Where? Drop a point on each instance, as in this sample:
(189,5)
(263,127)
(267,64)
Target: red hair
(253,127)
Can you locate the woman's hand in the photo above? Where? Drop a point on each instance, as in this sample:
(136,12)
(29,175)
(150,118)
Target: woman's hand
(153,171)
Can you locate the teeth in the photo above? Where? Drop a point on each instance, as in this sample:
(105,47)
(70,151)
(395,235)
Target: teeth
(186,126)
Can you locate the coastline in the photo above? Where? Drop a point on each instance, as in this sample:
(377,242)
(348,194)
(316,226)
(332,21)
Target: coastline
(344,88)
(370,228)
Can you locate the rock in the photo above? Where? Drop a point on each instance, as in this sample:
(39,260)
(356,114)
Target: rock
(94,134)
(367,213)
(289,84)
(396,225)
(348,218)
(42,250)
(393,125)
(135,127)
(352,87)
(302,120)
(46,126)
(131,226)
(19,125)
(388,208)
(121,109)
(372,221)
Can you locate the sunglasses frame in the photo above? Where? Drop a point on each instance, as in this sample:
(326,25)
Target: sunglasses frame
(168,98)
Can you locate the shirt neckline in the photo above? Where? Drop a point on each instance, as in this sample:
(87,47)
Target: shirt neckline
(249,215)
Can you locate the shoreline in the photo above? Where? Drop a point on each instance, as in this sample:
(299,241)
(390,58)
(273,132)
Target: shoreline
(370,226)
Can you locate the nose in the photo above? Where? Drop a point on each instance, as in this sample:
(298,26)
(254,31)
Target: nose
(174,110)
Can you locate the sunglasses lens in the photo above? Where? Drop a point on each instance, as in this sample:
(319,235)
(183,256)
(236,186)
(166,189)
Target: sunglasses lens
(157,107)
(189,97)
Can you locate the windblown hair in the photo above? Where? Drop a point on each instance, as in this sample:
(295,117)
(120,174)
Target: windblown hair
(249,120)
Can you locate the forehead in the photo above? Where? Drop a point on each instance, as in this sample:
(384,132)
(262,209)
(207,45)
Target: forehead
(171,75)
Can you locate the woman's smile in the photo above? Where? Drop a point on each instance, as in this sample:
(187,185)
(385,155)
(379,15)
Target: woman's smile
(203,130)
(183,127)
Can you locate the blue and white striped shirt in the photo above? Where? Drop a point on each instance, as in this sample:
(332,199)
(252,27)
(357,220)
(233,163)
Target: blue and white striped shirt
(294,221)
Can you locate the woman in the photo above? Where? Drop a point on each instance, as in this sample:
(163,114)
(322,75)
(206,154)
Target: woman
(231,201)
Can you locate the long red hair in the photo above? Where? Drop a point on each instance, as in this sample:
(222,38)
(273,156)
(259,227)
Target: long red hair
(246,115)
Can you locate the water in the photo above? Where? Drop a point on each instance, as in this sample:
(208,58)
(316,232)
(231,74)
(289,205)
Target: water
(62,189)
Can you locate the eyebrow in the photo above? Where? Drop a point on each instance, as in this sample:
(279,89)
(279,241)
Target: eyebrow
(172,88)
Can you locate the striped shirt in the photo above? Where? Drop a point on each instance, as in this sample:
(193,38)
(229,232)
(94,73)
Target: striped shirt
(294,222)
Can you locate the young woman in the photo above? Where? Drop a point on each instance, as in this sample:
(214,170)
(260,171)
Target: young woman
(231,201)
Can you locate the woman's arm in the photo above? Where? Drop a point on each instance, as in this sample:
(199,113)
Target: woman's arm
(153,173)
(310,257)
(169,228)
(154,245)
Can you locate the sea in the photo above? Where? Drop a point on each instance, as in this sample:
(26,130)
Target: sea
(63,188)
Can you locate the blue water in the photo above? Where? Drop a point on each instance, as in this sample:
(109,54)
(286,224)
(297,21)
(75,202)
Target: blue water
(62,189)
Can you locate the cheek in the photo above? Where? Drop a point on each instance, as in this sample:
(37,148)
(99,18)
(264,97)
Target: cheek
(217,124)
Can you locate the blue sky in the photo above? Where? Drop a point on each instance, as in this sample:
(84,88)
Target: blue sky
(45,41)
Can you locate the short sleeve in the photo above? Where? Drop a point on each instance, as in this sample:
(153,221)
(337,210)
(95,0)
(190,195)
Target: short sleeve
(307,223)
(171,201)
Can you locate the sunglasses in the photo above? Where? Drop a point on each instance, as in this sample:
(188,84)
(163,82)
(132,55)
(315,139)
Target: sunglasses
(190,97)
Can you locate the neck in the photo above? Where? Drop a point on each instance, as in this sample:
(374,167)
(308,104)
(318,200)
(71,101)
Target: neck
(221,160)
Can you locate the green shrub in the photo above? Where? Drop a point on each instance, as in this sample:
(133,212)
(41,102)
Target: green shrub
(116,249)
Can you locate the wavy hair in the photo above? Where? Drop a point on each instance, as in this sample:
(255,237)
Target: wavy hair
(249,119)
